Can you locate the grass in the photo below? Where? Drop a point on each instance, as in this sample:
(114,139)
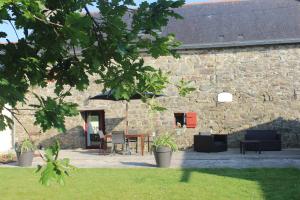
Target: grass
(216,184)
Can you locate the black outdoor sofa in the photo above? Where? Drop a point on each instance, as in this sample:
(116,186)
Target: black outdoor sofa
(269,140)
(210,143)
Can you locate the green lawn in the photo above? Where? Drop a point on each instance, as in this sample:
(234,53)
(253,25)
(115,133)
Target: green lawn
(155,184)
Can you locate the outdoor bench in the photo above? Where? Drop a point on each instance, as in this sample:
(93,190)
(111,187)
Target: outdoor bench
(269,140)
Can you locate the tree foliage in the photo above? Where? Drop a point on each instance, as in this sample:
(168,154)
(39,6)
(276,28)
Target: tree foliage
(64,44)
(67,43)
(184,88)
(55,169)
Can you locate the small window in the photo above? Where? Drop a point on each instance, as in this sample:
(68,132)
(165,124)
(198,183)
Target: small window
(179,120)
(188,120)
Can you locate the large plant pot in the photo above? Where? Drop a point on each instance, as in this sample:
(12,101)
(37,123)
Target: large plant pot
(25,159)
(162,156)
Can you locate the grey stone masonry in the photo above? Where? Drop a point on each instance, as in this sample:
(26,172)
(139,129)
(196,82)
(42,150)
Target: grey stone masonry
(264,82)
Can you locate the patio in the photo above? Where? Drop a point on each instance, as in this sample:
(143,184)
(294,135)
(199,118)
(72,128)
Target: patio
(232,158)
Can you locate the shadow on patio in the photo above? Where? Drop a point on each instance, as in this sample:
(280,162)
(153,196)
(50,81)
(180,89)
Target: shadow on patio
(74,137)
(289,130)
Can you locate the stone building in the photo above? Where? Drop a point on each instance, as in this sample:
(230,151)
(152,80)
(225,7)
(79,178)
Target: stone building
(249,49)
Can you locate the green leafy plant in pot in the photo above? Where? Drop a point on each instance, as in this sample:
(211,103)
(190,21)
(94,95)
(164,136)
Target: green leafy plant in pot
(163,146)
(25,152)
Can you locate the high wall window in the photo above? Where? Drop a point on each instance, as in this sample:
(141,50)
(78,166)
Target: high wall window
(179,120)
(188,120)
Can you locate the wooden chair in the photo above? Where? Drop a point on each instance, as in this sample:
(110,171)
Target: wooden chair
(135,140)
(118,137)
(103,142)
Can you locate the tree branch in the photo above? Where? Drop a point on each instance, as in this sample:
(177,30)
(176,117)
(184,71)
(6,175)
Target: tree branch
(27,132)
(95,24)
(92,18)
(48,22)
(74,52)
(14,29)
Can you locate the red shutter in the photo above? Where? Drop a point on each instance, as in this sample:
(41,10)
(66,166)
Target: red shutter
(191,119)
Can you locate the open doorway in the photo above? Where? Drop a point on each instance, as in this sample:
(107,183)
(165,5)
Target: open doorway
(94,121)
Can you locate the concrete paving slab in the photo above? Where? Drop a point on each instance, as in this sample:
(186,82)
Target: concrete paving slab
(83,158)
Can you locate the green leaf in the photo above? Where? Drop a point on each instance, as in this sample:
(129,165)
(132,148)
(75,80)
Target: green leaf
(3,2)
(39,168)
(3,34)
(76,28)
(184,88)
(55,169)
(52,112)
(4,81)
(5,121)
(165,140)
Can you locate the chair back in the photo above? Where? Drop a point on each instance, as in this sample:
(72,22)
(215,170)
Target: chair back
(133,131)
(118,137)
(101,134)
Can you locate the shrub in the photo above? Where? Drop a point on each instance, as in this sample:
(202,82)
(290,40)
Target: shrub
(165,140)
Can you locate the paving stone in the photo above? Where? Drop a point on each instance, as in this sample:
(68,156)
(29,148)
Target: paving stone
(183,159)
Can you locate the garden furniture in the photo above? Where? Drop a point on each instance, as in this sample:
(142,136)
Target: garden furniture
(256,144)
(128,136)
(269,140)
(118,137)
(210,143)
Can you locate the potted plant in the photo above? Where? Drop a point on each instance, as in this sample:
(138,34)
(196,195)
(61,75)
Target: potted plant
(163,146)
(25,152)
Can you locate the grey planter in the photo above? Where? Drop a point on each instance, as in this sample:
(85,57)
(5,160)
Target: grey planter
(162,156)
(25,159)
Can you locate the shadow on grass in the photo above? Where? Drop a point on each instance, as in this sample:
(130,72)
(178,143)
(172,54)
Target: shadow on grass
(274,183)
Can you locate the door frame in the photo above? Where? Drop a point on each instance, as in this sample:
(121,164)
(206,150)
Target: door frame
(101,114)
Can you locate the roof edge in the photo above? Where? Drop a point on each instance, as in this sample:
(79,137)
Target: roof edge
(238,44)
(211,2)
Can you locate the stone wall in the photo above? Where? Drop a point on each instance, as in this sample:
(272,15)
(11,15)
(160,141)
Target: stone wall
(264,82)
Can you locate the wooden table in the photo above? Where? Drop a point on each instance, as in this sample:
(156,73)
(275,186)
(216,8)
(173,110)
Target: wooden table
(128,136)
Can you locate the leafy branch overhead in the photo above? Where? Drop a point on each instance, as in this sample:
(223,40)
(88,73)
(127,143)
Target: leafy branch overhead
(51,112)
(66,43)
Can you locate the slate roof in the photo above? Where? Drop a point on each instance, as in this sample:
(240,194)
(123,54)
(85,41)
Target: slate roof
(237,23)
